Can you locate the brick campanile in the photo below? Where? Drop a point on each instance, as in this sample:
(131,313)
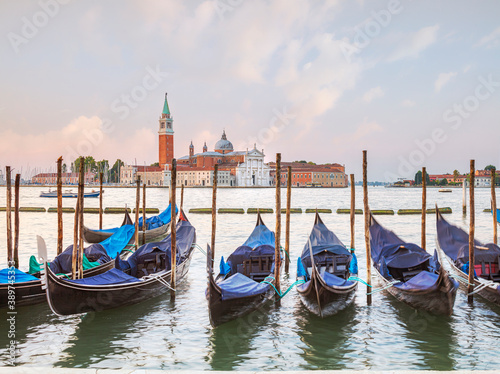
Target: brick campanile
(166,136)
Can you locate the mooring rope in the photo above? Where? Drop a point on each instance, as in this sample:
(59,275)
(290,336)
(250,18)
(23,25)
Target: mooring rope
(201,250)
(281,295)
(158,278)
(481,287)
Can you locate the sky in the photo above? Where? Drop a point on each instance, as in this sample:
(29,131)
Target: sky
(415,83)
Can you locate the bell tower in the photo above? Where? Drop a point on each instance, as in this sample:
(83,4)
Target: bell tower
(166,136)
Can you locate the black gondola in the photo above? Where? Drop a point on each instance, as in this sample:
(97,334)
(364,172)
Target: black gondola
(27,288)
(238,289)
(410,273)
(326,265)
(453,242)
(156,228)
(144,275)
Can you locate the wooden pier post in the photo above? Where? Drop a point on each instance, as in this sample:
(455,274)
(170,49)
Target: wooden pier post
(424,205)
(173,229)
(137,203)
(353,210)
(101,177)
(367,231)
(59,207)
(214,210)
(16,220)
(464,199)
(144,213)
(9,216)
(288,207)
(76,226)
(81,186)
(277,252)
(182,195)
(494,205)
(471,231)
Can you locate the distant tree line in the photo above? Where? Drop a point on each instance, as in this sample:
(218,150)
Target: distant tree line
(90,165)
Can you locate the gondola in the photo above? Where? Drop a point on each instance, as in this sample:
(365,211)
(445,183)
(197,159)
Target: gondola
(27,287)
(156,228)
(453,242)
(70,194)
(238,289)
(144,275)
(325,267)
(410,273)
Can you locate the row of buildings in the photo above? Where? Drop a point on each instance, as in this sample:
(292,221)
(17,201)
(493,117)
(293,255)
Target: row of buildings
(482,178)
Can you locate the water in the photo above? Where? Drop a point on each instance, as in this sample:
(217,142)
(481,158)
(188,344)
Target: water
(160,334)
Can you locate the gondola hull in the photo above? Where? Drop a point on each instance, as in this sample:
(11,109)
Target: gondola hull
(323,300)
(437,300)
(96,236)
(67,298)
(31,293)
(222,311)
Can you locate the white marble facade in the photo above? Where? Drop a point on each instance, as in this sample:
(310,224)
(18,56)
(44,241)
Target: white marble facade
(253,172)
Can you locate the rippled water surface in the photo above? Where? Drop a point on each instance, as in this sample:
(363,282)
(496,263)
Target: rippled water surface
(161,334)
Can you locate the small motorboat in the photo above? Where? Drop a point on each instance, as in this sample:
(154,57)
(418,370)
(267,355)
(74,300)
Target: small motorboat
(69,193)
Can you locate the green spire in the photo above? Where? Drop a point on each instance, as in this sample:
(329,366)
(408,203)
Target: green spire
(166,110)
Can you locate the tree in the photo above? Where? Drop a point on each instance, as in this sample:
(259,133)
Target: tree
(114,176)
(490,167)
(64,168)
(72,167)
(443,182)
(418,177)
(155,164)
(456,174)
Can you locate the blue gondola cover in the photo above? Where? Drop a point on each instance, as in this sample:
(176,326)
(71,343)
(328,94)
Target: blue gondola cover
(17,277)
(238,286)
(113,276)
(422,281)
(224,267)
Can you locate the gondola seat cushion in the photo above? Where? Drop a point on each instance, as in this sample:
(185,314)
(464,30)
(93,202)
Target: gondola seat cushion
(238,286)
(113,276)
(335,281)
(422,281)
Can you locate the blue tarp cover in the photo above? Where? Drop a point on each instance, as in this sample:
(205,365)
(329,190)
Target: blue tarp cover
(334,281)
(224,267)
(261,235)
(422,281)
(244,253)
(113,276)
(62,264)
(116,242)
(18,277)
(238,286)
(322,239)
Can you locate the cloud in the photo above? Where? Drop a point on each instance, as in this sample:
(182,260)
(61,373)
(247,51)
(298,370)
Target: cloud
(359,138)
(443,79)
(373,93)
(491,40)
(408,103)
(411,45)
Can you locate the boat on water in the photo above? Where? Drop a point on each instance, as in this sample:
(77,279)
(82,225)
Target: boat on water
(453,242)
(156,228)
(97,258)
(239,288)
(410,273)
(445,190)
(144,275)
(325,267)
(69,193)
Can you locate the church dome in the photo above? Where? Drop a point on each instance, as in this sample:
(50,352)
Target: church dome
(223,144)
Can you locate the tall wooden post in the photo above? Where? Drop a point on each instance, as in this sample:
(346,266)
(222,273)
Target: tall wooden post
(464,199)
(76,226)
(494,205)
(424,205)
(367,231)
(137,203)
(471,230)
(182,195)
(173,229)
(288,207)
(101,177)
(144,213)
(59,207)
(81,186)
(353,210)
(277,246)
(214,210)
(16,220)
(9,216)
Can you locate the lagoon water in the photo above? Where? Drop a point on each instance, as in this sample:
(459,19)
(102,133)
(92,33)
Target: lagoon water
(161,334)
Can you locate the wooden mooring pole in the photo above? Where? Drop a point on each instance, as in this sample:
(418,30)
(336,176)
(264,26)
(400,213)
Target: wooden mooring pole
(76,226)
(173,229)
(277,246)
(9,216)
(101,177)
(137,204)
(59,207)
(471,231)
(464,199)
(353,210)
(424,206)
(288,207)
(214,211)
(367,231)
(144,213)
(16,220)
(81,192)
(182,195)
(494,205)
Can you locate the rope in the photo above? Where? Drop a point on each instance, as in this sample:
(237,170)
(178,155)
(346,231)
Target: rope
(281,295)
(356,279)
(200,249)
(159,279)
(129,250)
(481,287)
(286,253)
(461,279)
(389,285)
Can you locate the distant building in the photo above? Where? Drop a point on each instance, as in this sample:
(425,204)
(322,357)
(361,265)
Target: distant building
(150,175)
(2,179)
(309,175)
(482,178)
(449,177)
(67,178)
